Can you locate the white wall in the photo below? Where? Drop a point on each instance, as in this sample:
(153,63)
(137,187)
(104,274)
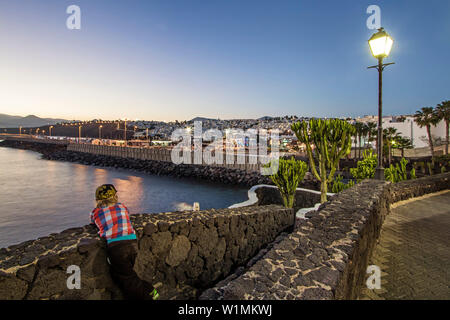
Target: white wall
(411,130)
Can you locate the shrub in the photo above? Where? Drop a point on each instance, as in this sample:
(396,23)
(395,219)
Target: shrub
(290,173)
(398,172)
(413,173)
(339,186)
(365,169)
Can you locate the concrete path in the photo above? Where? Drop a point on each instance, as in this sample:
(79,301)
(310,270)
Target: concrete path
(413,251)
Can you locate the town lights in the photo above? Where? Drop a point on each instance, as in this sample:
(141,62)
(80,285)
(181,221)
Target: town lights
(380,45)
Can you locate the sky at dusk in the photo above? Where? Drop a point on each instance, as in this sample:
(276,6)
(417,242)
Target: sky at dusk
(178,59)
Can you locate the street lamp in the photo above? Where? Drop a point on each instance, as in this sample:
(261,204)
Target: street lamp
(100,131)
(380,45)
(79,133)
(50,129)
(125,132)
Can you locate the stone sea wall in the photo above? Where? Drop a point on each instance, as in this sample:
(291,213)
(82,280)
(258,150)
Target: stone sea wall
(182,252)
(326,256)
(158,167)
(302,199)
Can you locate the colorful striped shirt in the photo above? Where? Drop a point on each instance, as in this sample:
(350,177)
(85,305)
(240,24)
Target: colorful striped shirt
(113,223)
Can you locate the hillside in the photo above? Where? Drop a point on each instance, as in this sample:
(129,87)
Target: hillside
(8,121)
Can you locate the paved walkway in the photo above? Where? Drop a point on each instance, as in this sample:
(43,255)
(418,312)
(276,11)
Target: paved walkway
(413,252)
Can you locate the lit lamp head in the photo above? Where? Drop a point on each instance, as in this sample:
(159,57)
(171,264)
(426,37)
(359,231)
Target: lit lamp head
(380,44)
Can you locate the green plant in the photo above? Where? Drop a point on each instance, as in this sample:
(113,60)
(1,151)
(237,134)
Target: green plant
(390,135)
(426,117)
(339,186)
(398,172)
(332,141)
(430,168)
(365,169)
(412,173)
(289,174)
(443,169)
(442,111)
(402,143)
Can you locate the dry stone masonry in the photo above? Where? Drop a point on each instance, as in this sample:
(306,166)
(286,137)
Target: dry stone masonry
(184,252)
(327,255)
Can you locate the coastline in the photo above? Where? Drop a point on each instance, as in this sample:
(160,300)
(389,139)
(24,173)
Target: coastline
(213,174)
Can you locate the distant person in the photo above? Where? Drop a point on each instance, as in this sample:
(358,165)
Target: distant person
(113,221)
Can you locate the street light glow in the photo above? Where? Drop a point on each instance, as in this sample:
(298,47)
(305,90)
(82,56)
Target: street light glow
(381,44)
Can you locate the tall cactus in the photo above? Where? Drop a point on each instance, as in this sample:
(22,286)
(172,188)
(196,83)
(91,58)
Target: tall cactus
(290,173)
(332,140)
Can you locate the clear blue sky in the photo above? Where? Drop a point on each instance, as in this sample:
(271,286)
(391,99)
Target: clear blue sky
(177,59)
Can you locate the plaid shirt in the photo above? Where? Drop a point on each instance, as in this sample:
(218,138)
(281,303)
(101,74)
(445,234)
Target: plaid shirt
(112,222)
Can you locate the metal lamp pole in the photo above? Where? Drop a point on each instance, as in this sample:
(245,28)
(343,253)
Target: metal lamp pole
(380,44)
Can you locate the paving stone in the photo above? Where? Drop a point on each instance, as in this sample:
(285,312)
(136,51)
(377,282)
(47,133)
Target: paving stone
(413,252)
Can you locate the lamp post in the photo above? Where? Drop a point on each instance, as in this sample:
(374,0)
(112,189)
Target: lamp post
(20,130)
(380,45)
(79,133)
(50,130)
(125,132)
(100,131)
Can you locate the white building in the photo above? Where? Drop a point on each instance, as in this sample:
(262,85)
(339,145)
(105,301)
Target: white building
(409,128)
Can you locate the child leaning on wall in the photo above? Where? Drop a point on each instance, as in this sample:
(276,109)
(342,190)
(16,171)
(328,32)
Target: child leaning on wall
(113,221)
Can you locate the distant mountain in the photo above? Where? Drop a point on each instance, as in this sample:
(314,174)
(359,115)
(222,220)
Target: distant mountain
(265,118)
(8,121)
(202,119)
(206,119)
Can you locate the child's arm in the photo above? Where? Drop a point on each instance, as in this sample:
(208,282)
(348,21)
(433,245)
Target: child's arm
(91,217)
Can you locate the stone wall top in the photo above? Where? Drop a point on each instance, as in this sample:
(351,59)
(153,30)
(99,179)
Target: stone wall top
(327,255)
(183,251)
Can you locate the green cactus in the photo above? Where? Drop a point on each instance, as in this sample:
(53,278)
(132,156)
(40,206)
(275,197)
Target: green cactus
(290,173)
(398,172)
(339,186)
(365,169)
(413,173)
(332,141)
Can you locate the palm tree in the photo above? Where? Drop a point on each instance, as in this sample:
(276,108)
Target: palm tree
(390,135)
(426,117)
(372,131)
(359,131)
(443,113)
(365,131)
(403,143)
(355,136)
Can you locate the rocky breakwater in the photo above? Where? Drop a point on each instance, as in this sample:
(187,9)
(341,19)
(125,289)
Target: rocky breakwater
(183,252)
(45,149)
(214,174)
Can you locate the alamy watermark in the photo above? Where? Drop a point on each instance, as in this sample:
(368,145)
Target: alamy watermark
(228,148)
(374,280)
(374,20)
(73,22)
(74,280)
